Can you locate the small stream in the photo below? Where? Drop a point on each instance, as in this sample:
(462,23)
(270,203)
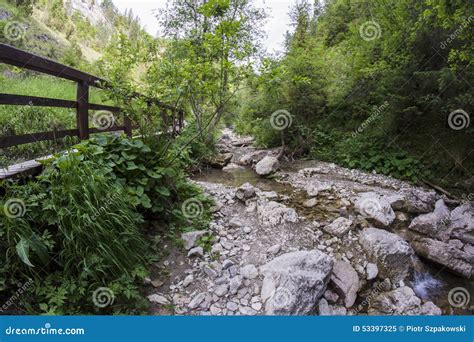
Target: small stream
(429,282)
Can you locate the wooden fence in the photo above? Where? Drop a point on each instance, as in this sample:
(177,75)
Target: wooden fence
(22,59)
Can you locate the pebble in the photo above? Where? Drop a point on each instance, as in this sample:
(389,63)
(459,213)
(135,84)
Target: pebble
(274,249)
(221,290)
(257,306)
(197,300)
(232,306)
(249,272)
(247,230)
(246,311)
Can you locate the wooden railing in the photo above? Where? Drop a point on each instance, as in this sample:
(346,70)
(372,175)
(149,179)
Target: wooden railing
(22,59)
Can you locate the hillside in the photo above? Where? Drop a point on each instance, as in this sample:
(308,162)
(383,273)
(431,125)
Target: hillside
(70,31)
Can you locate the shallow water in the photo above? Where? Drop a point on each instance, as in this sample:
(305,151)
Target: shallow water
(430,282)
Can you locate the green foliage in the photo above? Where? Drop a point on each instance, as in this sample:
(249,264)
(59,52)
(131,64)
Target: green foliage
(334,73)
(81,228)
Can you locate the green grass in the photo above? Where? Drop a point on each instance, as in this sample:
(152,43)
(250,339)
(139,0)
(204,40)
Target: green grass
(17,120)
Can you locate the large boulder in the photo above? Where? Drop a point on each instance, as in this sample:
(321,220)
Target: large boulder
(415,200)
(375,208)
(267,166)
(345,281)
(445,254)
(339,227)
(272,213)
(391,253)
(401,301)
(462,223)
(293,283)
(435,224)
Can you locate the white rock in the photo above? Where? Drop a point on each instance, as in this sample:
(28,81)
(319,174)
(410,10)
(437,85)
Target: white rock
(294,282)
(372,271)
(339,227)
(196,252)
(274,249)
(158,299)
(267,166)
(249,272)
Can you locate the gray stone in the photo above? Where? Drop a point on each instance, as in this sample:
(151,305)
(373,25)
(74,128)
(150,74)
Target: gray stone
(221,290)
(235,284)
(196,252)
(391,253)
(232,306)
(294,282)
(246,311)
(197,300)
(339,227)
(274,213)
(267,166)
(188,280)
(462,223)
(245,192)
(190,239)
(455,260)
(227,263)
(312,202)
(331,296)
(274,249)
(249,272)
(401,301)
(375,208)
(435,224)
(210,271)
(346,282)
(325,309)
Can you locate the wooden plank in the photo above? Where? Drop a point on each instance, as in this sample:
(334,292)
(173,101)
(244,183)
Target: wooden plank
(26,60)
(30,167)
(35,137)
(22,100)
(83,110)
(93,106)
(94,130)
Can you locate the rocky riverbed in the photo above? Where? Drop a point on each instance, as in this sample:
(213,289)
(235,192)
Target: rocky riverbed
(317,239)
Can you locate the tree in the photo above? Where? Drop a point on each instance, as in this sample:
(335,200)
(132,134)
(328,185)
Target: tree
(209,50)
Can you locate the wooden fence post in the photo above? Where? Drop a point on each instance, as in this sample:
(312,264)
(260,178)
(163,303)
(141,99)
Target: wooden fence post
(83,110)
(128,125)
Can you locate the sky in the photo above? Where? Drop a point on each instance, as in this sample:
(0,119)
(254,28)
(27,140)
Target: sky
(276,27)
